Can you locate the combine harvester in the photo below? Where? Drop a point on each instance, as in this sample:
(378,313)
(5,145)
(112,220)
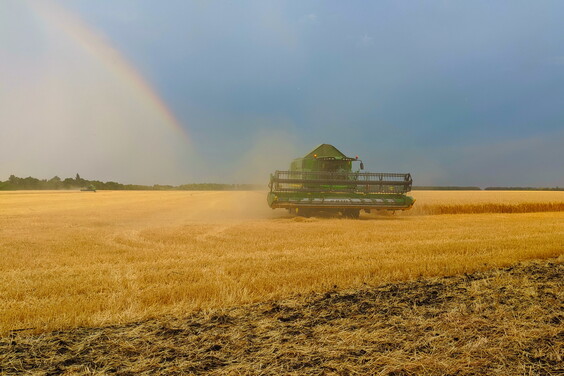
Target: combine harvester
(324,181)
(90,188)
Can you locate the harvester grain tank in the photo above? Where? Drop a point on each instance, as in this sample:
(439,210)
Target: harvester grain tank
(324,180)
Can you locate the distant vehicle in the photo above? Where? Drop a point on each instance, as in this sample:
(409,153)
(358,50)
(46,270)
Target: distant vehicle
(324,180)
(90,188)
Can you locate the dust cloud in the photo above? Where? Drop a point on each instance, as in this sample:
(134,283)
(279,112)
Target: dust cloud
(271,150)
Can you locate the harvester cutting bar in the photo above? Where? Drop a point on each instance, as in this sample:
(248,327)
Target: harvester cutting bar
(324,181)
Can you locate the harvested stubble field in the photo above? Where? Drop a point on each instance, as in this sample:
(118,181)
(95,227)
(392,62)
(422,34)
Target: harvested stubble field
(498,322)
(81,259)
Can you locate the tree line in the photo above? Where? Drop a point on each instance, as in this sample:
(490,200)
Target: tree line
(15,183)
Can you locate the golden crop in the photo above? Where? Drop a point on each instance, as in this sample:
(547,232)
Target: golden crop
(474,202)
(80,258)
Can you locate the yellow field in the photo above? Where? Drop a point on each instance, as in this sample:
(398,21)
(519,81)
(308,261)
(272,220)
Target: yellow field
(473,202)
(80,258)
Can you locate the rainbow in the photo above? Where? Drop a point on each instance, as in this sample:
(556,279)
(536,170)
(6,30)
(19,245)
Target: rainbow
(72,26)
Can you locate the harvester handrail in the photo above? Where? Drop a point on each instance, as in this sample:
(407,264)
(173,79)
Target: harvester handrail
(331,173)
(340,181)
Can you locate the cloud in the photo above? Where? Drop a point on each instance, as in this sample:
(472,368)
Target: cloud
(555,60)
(403,86)
(365,41)
(532,161)
(311,18)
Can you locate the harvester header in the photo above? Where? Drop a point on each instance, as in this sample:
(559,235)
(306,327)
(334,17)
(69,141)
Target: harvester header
(325,180)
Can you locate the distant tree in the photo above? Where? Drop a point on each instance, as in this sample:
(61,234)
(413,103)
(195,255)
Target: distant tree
(30,183)
(54,183)
(68,183)
(80,181)
(112,185)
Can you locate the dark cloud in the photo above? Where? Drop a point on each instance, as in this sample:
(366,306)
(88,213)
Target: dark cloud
(442,89)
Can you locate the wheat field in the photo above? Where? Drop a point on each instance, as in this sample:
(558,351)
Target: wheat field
(89,259)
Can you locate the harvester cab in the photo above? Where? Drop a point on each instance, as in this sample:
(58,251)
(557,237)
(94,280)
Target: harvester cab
(325,180)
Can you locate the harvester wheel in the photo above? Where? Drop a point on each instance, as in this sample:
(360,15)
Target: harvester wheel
(303,212)
(351,213)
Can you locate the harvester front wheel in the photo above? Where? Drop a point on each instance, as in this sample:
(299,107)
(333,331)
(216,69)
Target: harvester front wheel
(351,213)
(303,212)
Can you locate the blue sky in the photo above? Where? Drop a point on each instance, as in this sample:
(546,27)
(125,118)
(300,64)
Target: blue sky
(455,92)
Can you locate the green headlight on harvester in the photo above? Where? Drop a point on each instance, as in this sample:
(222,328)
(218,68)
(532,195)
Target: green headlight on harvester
(324,180)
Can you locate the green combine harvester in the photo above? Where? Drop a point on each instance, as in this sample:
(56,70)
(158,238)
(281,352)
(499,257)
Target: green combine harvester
(90,188)
(324,181)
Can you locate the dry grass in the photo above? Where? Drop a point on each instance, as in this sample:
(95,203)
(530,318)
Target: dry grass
(499,322)
(87,259)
